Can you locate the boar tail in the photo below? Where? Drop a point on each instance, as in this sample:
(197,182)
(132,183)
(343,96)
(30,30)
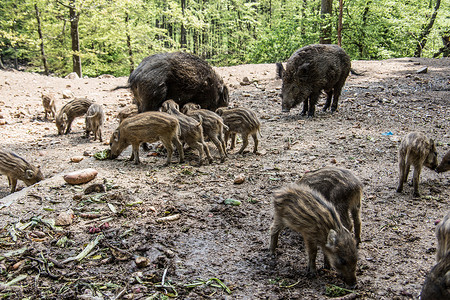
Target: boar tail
(120,87)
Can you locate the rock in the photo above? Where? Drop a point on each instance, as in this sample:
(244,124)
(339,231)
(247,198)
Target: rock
(245,81)
(72,75)
(240,178)
(76,159)
(2,122)
(422,70)
(64,219)
(95,188)
(80,176)
(67,94)
(142,262)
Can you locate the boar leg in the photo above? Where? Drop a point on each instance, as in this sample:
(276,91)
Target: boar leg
(169,147)
(100,135)
(416,176)
(12,183)
(336,93)
(402,174)
(311,250)
(135,154)
(177,143)
(255,142)
(208,154)
(69,124)
(275,230)
(199,147)
(356,216)
(305,107)
(244,143)
(328,103)
(233,140)
(219,146)
(313,98)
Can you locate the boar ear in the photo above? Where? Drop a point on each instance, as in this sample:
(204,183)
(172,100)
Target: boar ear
(303,69)
(29,174)
(116,136)
(331,239)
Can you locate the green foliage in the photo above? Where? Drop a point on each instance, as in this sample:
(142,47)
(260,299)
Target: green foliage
(225,32)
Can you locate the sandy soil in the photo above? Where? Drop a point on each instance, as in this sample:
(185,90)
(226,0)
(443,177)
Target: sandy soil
(211,239)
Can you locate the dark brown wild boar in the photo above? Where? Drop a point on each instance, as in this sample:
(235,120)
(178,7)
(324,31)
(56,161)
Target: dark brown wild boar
(310,70)
(147,127)
(75,108)
(127,112)
(191,130)
(444,166)
(94,121)
(15,167)
(443,237)
(342,189)
(48,101)
(437,282)
(417,150)
(306,211)
(243,121)
(212,124)
(177,75)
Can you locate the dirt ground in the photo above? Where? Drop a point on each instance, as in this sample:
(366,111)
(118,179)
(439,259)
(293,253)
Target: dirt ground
(138,256)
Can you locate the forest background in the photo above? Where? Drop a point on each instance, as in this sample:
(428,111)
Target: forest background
(94,37)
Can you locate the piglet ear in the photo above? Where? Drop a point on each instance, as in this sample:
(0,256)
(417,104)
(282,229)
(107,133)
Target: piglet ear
(331,240)
(116,136)
(29,174)
(65,117)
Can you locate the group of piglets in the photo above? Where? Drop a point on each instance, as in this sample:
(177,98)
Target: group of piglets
(166,82)
(323,206)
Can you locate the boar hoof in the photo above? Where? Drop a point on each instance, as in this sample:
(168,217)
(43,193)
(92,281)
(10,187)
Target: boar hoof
(416,195)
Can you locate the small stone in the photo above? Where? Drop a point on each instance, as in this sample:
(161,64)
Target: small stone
(67,94)
(76,159)
(333,161)
(2,122)
(422,70)
(142,262)
(72,75)
(240,178)
(64,219)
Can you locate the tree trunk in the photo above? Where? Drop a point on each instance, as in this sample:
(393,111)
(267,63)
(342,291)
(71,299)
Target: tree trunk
(424,35)
(41,37)
(183,30)
(339,31)
(130,50)
(325,13)
(74,18)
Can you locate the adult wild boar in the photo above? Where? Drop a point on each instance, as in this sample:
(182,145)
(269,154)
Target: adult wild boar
(180,76)
(310,70)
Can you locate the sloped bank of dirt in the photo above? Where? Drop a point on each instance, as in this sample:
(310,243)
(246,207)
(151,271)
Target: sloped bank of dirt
(211,239)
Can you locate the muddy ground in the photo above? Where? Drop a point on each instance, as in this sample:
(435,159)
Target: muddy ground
(207,238)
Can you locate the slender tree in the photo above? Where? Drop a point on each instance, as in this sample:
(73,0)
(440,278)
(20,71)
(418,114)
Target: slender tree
(325,13)
(41,37)
(426,31)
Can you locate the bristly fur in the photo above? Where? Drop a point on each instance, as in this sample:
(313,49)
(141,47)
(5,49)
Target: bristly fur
(305,210)
(418,150)
(243,121)
(15,167)
(341,188)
